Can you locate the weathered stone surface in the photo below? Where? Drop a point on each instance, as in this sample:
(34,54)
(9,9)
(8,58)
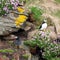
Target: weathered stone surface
(32,33)
(6,24)
(29,26)
(52,32)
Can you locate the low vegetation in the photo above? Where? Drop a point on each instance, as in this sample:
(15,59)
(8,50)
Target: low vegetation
(37,12)
(6,51)
(43,42)
(58,1)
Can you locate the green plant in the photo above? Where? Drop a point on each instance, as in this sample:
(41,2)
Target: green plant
(30,43)
(58,1)
(25,56)
(6,6)
(51,50)
(37,12)
(6,50)
(56,58)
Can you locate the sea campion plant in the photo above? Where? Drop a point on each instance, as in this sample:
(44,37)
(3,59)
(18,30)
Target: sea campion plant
(51,49)
(7,5)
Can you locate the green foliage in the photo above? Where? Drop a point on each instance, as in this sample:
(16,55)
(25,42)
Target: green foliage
(37,12)
(30,43)
(58,1)
(10,7)
(2,12)
(56,58)
(50,49)
(6,51)
(3,3)
(25,56)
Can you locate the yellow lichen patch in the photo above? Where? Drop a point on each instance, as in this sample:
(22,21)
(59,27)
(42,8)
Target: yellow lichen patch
(20,20)
(21,10)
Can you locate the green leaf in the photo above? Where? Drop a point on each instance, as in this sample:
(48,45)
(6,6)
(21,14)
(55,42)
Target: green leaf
(2,12)
(10,7)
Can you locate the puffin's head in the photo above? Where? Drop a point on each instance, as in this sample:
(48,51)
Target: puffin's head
(45,21)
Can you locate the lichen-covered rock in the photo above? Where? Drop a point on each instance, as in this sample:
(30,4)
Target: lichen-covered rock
(6,24)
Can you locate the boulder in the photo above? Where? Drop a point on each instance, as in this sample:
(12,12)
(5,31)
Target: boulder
(31,34)
(52,32)
(53,35)
(6,24)
(28,25)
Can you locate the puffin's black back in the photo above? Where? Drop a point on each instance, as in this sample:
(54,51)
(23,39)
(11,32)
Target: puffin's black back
(41,24)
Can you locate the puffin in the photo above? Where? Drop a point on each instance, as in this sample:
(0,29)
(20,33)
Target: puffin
(44,25)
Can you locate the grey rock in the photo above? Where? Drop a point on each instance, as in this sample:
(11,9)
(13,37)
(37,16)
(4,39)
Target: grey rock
(6,25)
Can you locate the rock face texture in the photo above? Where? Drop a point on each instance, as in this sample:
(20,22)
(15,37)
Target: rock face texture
(6,25)
(52,33)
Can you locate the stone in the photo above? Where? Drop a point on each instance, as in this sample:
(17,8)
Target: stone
(53,35)
(11,16)
(7,24)
(52,32)
(32,33)
(27,26)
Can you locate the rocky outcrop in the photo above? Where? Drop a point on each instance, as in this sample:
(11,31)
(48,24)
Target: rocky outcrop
(6,24)
(31,34)
(52,32)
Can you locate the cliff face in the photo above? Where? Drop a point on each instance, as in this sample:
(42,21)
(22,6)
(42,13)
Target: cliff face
(6,24)
(49,6)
